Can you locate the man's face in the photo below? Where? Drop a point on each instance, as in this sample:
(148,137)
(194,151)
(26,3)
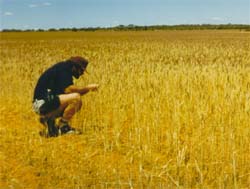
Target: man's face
(77,71)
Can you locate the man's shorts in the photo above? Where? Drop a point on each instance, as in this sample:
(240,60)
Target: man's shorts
(47,105)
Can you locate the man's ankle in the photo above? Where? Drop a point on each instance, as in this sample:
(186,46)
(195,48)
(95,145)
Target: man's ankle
(62,122)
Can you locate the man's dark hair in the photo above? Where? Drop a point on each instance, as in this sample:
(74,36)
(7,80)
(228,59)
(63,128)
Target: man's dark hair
(80,61)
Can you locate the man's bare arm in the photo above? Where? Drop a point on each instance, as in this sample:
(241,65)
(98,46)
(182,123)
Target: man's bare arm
(81,90)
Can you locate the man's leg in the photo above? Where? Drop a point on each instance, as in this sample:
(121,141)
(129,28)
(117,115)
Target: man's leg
(49,123)
(69,105)
(47,109)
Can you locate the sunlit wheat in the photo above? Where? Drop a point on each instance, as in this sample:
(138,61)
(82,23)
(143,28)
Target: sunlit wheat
(173,111)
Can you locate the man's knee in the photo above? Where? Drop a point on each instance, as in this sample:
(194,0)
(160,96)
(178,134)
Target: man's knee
(77,96)
(67,99)
(76,100)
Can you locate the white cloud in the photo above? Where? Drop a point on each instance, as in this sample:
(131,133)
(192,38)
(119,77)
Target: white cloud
(46,4)
(8,13)
(33,5)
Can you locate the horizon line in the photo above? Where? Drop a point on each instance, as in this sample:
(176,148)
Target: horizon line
(131,26)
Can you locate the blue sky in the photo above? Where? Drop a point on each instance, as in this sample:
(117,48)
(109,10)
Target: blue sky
(34,14)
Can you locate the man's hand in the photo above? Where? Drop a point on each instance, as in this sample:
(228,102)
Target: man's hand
(92,87)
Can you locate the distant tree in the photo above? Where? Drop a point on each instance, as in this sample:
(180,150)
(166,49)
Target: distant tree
(74,29)
(11,30)
(52,29)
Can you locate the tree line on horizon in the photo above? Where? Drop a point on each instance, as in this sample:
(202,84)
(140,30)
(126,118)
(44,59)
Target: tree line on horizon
(132,27)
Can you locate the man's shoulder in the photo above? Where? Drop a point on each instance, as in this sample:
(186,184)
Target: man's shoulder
(60,68)
(61,65)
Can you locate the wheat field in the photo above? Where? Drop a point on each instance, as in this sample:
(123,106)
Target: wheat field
(172,111)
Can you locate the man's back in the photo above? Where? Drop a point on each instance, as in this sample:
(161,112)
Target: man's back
(56,78)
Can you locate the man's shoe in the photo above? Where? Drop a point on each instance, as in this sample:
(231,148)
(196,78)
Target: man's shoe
(66,129)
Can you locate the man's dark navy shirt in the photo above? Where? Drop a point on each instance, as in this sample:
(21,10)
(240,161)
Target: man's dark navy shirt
(57,78)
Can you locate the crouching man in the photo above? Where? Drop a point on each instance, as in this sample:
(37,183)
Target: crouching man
(56,96)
